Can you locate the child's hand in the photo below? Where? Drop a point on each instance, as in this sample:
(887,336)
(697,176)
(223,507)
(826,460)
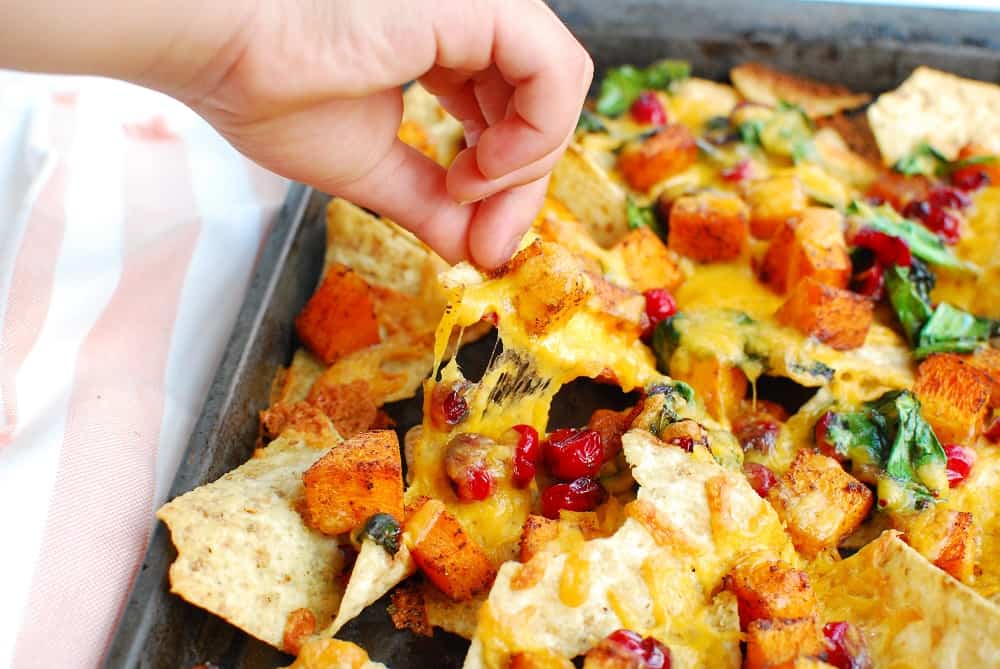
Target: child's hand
(311,89)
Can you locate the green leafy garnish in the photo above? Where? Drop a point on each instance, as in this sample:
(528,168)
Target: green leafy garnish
(750,132)
(642,217)
(967,162)
(924,159)
(951,330)
(666,338)
(923,243)
(590,122)
(788,133)
(383,529)
(622,85)
(910,303)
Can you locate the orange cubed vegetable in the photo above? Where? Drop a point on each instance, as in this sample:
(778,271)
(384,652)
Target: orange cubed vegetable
(339,318)
(835,316)
(772,642)
(987,360)
(899,189)
(448,556)
(408,611)
(770,589)
(812,247)
(949,539)
(818,502)
(954,396)
(668,152)
(535,534)
(355,480)
(773,203)
(720,386)
(650,264)
(708,226)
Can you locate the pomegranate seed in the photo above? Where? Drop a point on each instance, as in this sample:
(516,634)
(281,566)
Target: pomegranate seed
(960,461)
(888,249)
(660,305)
(757,435)
(761,478)
(647,108)
(648,651)
(572,454)
(476,486)
(448,405)
(952,198)
(583,494)
(970,177)
(845,647)
(870,283)
(937,220)
(992,432)
(738,172)
(525,455)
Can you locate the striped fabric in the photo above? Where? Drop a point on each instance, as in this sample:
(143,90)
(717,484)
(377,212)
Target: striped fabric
(128,231)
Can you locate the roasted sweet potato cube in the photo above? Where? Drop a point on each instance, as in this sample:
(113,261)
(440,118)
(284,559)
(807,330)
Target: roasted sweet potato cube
(899,189)
(987,360)
(770,589)
(408,611)
(720,386)
(339,318)
(949,539)
(835,316)
(650,264)
(558,284)
(355,480)
(611,425)
(771,642)
(774,203)
(812,247)
(536,532)
(954,397)
(818,502)
(709,226)
(539,659)
(448,556)
(649,161)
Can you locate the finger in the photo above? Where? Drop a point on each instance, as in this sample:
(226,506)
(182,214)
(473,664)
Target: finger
(493,95)
(501,221)
(463,105)
(409,188)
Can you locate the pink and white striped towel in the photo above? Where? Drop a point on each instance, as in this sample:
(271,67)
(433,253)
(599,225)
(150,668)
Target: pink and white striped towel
(128,232)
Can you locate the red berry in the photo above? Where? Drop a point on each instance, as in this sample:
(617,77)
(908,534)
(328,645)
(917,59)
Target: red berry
(970,177)
(477,485)
(845,647)
(572,454)
(888,250)
(823,441)
(936,219)
(761,478)
(660,305)
(647,108)
(960,461)
(448,405)
(992,432)
(870,283)
(468,464)
(757,435)
(583,494)
(525,455)
(738,172)
(649,652)
(952,198)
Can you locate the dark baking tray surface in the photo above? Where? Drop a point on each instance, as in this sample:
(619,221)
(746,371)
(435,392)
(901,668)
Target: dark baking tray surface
(866,47)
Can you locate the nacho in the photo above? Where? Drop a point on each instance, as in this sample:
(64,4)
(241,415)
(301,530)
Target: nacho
(767,86)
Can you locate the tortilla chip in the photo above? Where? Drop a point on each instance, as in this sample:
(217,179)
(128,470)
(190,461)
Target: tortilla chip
(911,613)
(694,101)
(590,194)
(692,521)
(444,133)
(451,616)
(767,86)
(243,551)
(293,383)
(840,161)
(856,132)
(333,654)
(939,108)
(375,573)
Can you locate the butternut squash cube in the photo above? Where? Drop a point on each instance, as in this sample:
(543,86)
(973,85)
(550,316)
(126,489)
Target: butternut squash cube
(708,226)
(949,539)
(987,360)
(954,397)
(812,247)
(720,386)
(448,556)
(835,316)
(355,480)
(770,589)
(774,203)
(340,317)
(648,261)
(649,161)
(818,502)
(773,642)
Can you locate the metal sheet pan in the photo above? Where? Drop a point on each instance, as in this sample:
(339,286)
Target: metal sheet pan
(869,48)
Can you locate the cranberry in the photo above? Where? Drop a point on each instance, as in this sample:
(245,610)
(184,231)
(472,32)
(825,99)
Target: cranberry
(647,108)
(992,432)
(650,653)
(660,305)
(936,219)
(572,454)
(477,485)
(960,461)
(467,463)
(845,647)
(757,435)
(944,196)
(761,478)
(525,455)
(823,441)
(888,250)
(448,405)
(870,282)
(738,172)
(583,494)
(970,177)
